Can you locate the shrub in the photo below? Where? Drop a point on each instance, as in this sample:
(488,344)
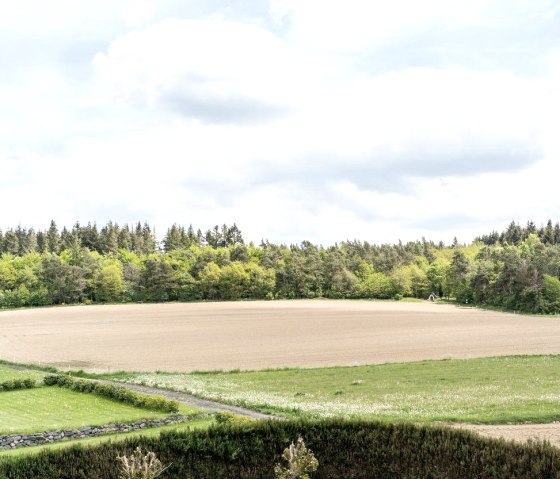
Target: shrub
(15,384)
(300,462)
(112,391)
(140,465)
(230,418)
(345,449)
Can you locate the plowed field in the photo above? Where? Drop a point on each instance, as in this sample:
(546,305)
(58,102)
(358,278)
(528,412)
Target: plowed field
(255,335)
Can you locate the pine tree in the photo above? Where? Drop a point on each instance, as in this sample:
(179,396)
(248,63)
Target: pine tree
(124,239)
(149,237)
(138,239)
(173,238)
(53,239)
(191,237)
(90,237)
(109,238)
(41,242)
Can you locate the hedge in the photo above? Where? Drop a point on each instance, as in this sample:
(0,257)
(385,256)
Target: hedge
(112,391)
(357,450)
(14,384)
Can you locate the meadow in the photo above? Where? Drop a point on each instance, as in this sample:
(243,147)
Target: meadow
(515,389)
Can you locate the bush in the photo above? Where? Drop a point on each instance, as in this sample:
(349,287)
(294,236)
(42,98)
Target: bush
(140,466)
(300,462)
(230,418)
(15,384)
(112,391)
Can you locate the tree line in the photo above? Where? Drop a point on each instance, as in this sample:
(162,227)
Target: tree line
(127,264)
(111,238)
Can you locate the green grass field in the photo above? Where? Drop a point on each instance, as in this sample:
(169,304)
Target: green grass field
(8,373)
(511,389)
(51,408)
(23,451)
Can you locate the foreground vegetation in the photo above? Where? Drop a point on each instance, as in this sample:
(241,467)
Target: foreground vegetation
(358,450)
(518,269)
(9,373)
(513,389)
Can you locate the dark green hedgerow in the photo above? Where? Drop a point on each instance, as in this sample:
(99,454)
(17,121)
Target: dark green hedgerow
(112,391)
(14,384)
(358,450)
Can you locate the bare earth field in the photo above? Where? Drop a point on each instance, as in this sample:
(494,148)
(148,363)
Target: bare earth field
(518,432)
(256,335)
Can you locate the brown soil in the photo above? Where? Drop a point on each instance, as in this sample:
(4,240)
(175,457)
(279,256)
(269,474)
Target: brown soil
(255,335)
(519,432)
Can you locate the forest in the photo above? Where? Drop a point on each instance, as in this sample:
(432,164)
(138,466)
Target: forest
(517,269)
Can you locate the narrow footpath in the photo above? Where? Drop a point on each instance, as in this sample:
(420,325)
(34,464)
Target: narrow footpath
(194,401)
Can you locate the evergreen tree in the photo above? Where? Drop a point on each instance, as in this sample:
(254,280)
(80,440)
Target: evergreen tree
(174,238)
(69,239)
(41,242)
(149,239)
(124,239)
(89,237)
(214,237)
(137,239)
(158,281)
(53,239)
(109,238)
(192,237)
(11,243)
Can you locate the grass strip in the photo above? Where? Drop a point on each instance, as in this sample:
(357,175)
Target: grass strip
(9,373)
(52,408)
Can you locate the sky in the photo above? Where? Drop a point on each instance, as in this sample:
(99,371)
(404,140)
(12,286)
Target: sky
(297,120)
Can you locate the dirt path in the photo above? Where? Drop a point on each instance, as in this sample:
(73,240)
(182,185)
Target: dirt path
(264,334)
(196,402)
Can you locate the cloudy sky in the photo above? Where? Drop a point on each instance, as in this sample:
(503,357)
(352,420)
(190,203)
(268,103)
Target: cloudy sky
(296,119)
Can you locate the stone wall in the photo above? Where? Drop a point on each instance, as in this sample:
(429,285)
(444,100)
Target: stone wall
(13,441)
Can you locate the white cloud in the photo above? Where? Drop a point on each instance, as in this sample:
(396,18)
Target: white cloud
(362,24)
(211,120)
(137,13)
(194,65)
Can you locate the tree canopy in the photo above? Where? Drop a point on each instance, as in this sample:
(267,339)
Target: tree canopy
(518,269)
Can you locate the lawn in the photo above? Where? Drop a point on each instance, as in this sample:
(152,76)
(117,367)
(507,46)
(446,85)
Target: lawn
(8,373)
(510,389)
(51,408)
(195,424)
